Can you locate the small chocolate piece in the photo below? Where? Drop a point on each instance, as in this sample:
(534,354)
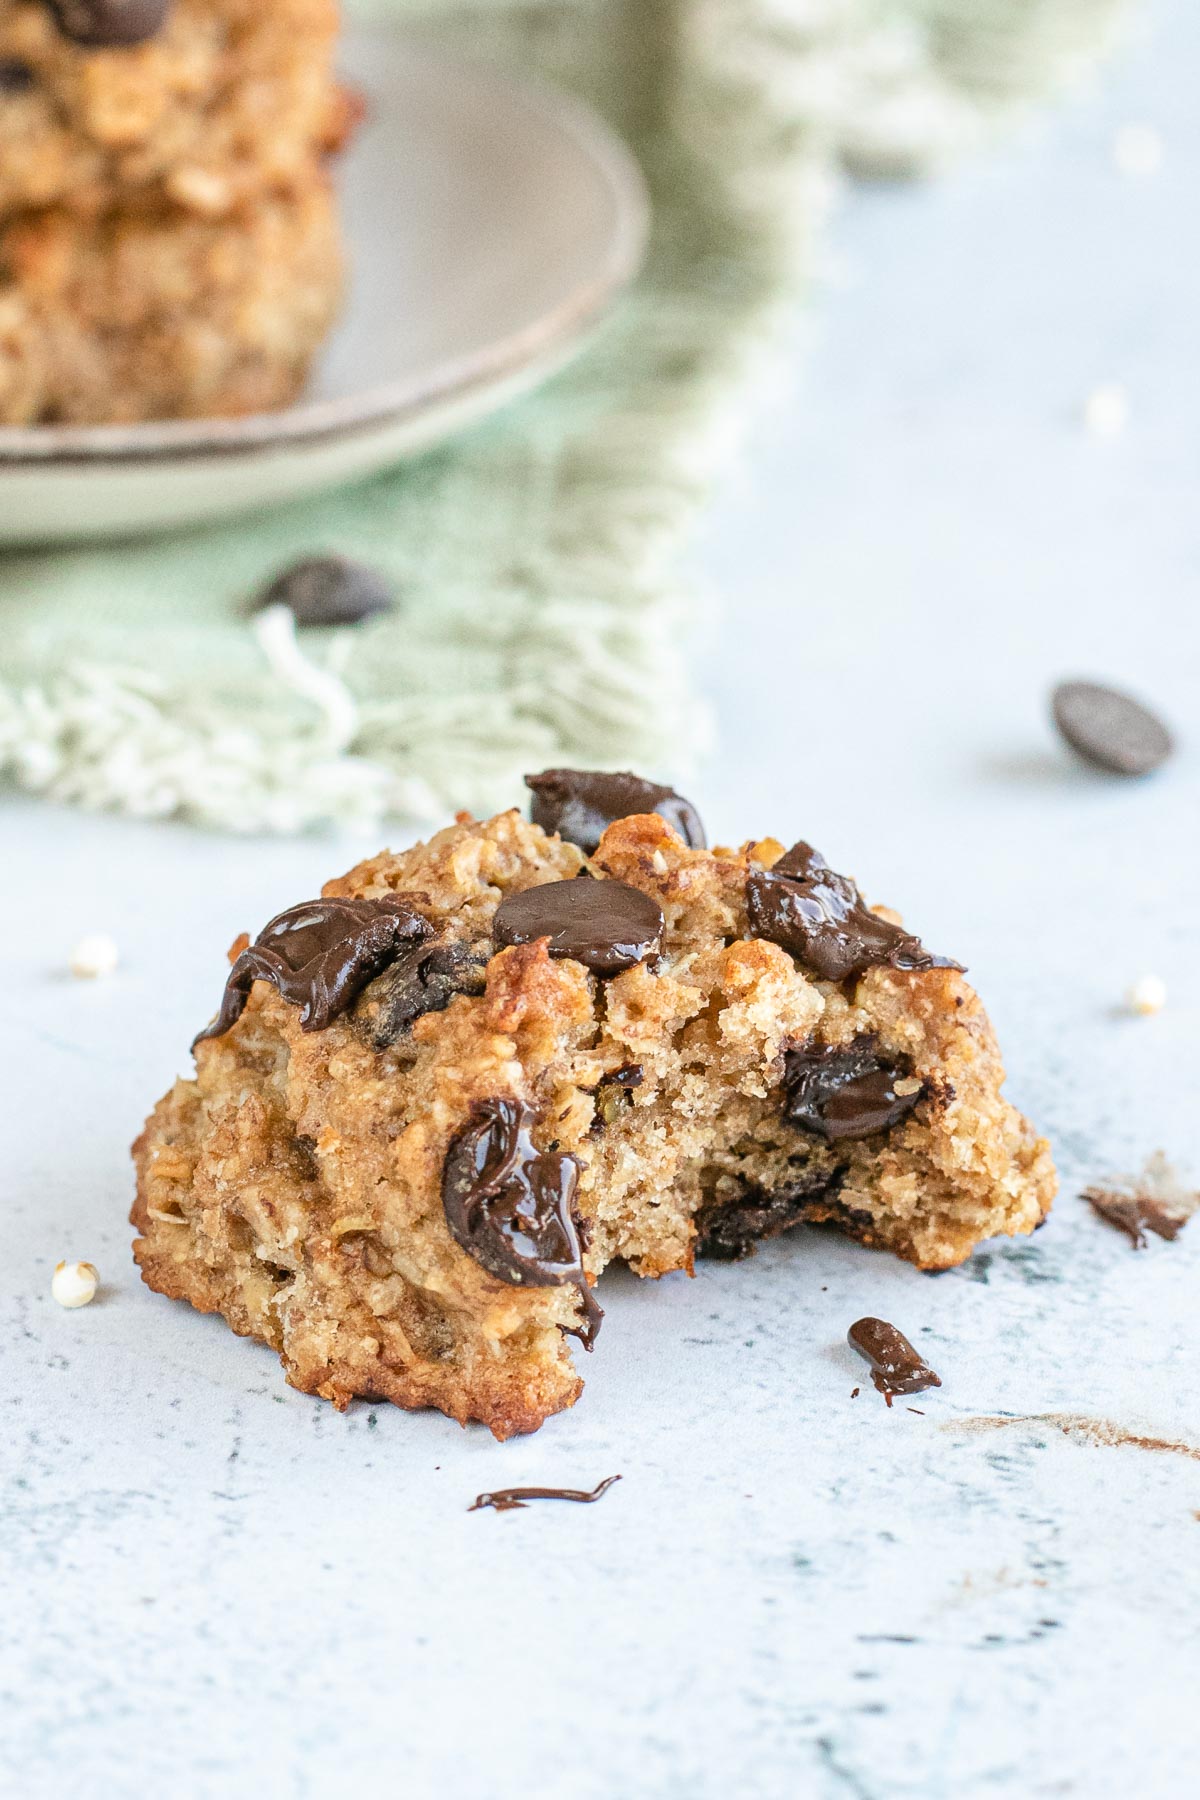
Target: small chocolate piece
(1135,1214)
(424,980)
(606,925)
(509,1205)
(512,1499)
(613,1094)
(896,1368)
(320,955)
(329,590)
(16,77)
(109,24)
(821,918)
(845,1094)
(580,804)
(1110,730)
(729,1229)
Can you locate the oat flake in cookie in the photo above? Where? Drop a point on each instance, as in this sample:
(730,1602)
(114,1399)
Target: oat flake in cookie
(429,1120)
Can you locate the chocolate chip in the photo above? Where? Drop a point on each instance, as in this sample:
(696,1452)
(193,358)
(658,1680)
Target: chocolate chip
(320,955)
(845,1094)
(329,590)
(896,1368)
(728,1228)
(424,980)
(1110,729)
(821,918)
(510,1206)
(606,925)
(613,1094)
(580,804)
(1135,1214)
(109,24)
(16,77)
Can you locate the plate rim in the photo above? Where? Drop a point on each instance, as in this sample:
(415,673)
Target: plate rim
(316,422)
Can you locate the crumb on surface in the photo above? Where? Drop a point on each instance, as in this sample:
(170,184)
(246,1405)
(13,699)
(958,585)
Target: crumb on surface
(74,1283)
(94,956)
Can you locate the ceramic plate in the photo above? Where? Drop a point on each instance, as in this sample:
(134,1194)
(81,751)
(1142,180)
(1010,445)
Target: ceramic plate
(490,223)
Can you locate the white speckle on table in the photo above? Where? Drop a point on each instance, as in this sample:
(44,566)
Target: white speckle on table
(1106,410)
(94,956)
(1138,150)
(75,1283)
(1146,996)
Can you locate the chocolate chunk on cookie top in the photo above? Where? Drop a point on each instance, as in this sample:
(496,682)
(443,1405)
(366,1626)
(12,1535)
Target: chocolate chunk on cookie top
(896,1368)
(845,1094)
(109,24)
(605,925)
(821,918)
(320,955)
(1110,730)
(581,804)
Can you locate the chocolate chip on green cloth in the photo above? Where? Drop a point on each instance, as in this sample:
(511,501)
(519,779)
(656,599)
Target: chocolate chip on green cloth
(846,1094)
(606,925)
(1110,730)
(109,24)
(320,955)
(329,591)
(823,920)
(580,804)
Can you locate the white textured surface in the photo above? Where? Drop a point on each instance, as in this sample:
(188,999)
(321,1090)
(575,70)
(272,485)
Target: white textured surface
(213,1585)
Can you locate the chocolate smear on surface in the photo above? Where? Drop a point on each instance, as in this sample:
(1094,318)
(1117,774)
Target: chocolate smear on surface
(1156,1200)
(109,24)
(613,1094)
(821,918)
(896,1368)
(512,1499)
(424,980)
(580,804)
(320,955)
(607,926)
(510,1206)
(729,1229)
(1109,729)
(329,590)
(845,1094)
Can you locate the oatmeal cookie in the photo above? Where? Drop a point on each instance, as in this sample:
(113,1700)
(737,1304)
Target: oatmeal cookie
(155,313)
(436,1102)
(203,103)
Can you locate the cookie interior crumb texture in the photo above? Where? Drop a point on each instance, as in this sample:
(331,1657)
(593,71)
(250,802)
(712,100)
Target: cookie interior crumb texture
(296,1184)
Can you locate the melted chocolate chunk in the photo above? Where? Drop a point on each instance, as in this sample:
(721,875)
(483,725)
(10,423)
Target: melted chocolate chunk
(109,24)
(606,925)
(612,1095)
(320,955)
(1109,729)
(821,918)
(329,590)
(1135,1214)
(896,1368)
(512,1499)
(510,1206)
(580,804)
(728,1230)
(844,1094)
(424,980)
(16,77)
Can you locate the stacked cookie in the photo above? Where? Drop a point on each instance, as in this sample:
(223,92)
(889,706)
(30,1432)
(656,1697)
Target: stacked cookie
(169,244)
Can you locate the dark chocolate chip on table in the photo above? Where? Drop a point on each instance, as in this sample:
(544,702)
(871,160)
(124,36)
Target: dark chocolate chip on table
(580,804)
(16,77)
(423,980)
(329,590)
(512,1499)
(896,1368)
(109,24)
(320,955)
(510,1206)
(1137,1213)
(822,919)
(606,925)
(846,1094)
(1110,730)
